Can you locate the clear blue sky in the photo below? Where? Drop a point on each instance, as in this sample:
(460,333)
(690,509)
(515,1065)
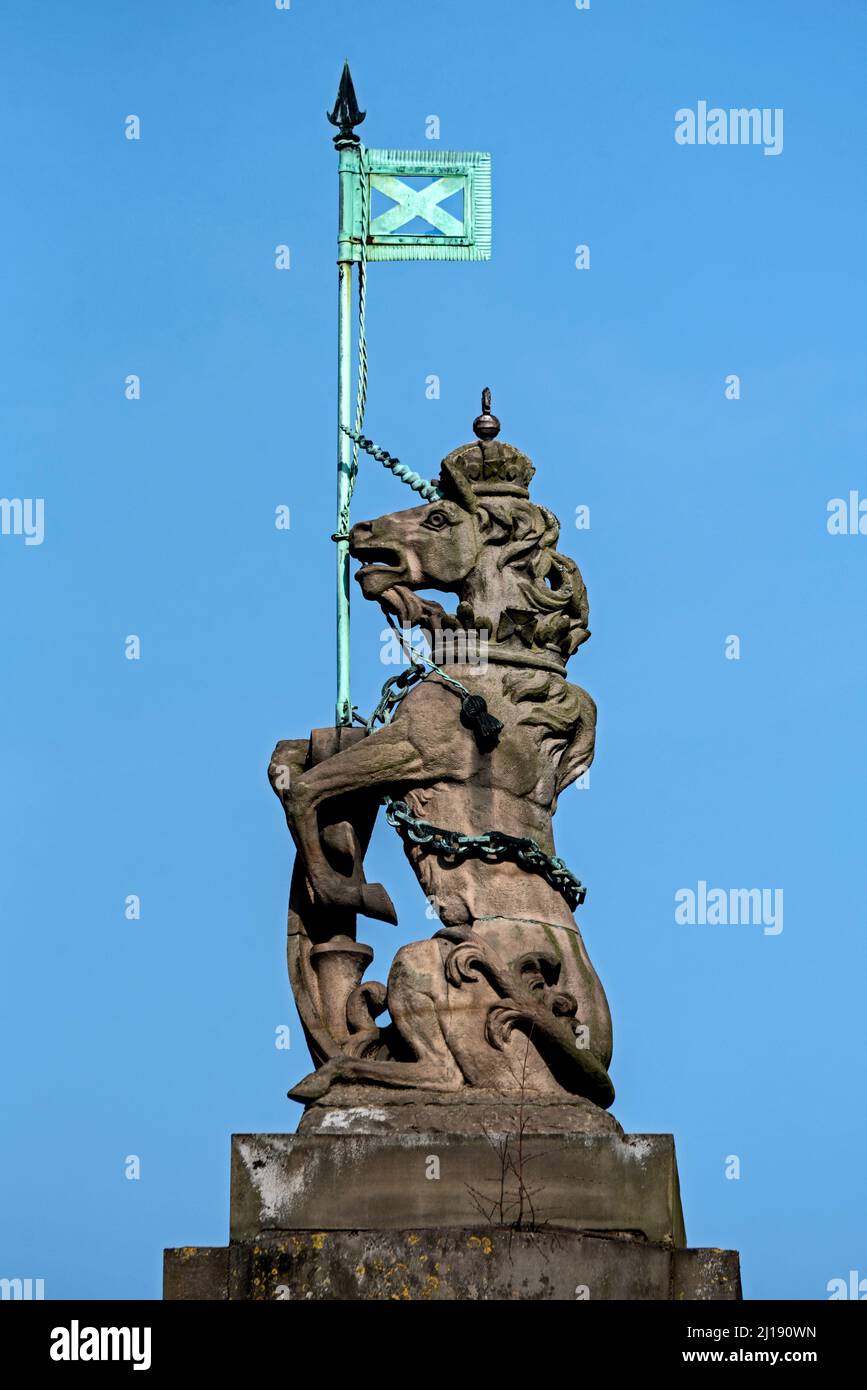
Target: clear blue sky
(708,518)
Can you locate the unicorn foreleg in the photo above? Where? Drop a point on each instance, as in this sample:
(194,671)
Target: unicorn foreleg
(373,764)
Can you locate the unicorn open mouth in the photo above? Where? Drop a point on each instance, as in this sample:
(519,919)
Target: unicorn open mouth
(376,559)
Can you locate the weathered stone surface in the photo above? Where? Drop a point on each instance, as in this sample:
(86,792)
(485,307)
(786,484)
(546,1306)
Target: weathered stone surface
(444,1266)
(366,1215)
(388,1182)
(707,1275)
(360,1110)
(196,1272)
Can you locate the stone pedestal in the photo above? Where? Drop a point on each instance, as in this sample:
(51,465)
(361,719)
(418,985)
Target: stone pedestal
(355,1208)
(449,1266)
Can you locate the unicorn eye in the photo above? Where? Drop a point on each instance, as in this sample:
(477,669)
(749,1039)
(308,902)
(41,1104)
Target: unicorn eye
(437,521)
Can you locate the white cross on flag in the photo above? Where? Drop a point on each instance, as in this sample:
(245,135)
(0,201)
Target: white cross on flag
(428,206)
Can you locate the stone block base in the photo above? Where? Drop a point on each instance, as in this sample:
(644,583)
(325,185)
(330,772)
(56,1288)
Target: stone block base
(365,1214)
(620,1184)
(448,1266)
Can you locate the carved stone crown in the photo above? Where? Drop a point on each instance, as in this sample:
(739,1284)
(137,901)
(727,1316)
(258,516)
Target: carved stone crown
(491,467)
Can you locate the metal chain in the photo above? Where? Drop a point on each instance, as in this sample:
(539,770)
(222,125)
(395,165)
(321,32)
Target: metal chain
(396,688)
(417,658)
(494,847)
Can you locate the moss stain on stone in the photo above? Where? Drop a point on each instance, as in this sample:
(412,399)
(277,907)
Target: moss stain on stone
(482,1243)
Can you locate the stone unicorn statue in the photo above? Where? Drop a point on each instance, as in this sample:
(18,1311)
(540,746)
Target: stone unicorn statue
(503,997)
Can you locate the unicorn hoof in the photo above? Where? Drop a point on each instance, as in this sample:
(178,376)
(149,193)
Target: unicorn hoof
(312,1087)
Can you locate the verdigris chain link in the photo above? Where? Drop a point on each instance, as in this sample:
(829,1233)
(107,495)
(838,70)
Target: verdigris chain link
(474,709)
(396,688)
(494,847)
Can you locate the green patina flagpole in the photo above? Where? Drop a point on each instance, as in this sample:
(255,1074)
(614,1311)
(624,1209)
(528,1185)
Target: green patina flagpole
(417,183)
(345,116)
(344,378)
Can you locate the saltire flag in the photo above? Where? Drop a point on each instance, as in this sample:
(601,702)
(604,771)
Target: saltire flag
(440,205)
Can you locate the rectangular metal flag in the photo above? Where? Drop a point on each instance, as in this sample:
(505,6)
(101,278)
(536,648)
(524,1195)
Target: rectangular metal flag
(440,205)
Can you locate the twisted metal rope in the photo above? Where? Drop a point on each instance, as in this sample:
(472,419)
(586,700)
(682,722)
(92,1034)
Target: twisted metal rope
(429,491)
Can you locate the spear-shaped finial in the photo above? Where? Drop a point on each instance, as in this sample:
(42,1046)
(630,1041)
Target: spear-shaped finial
(346,113)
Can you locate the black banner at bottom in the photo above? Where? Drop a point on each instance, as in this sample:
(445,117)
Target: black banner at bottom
(153,1338)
